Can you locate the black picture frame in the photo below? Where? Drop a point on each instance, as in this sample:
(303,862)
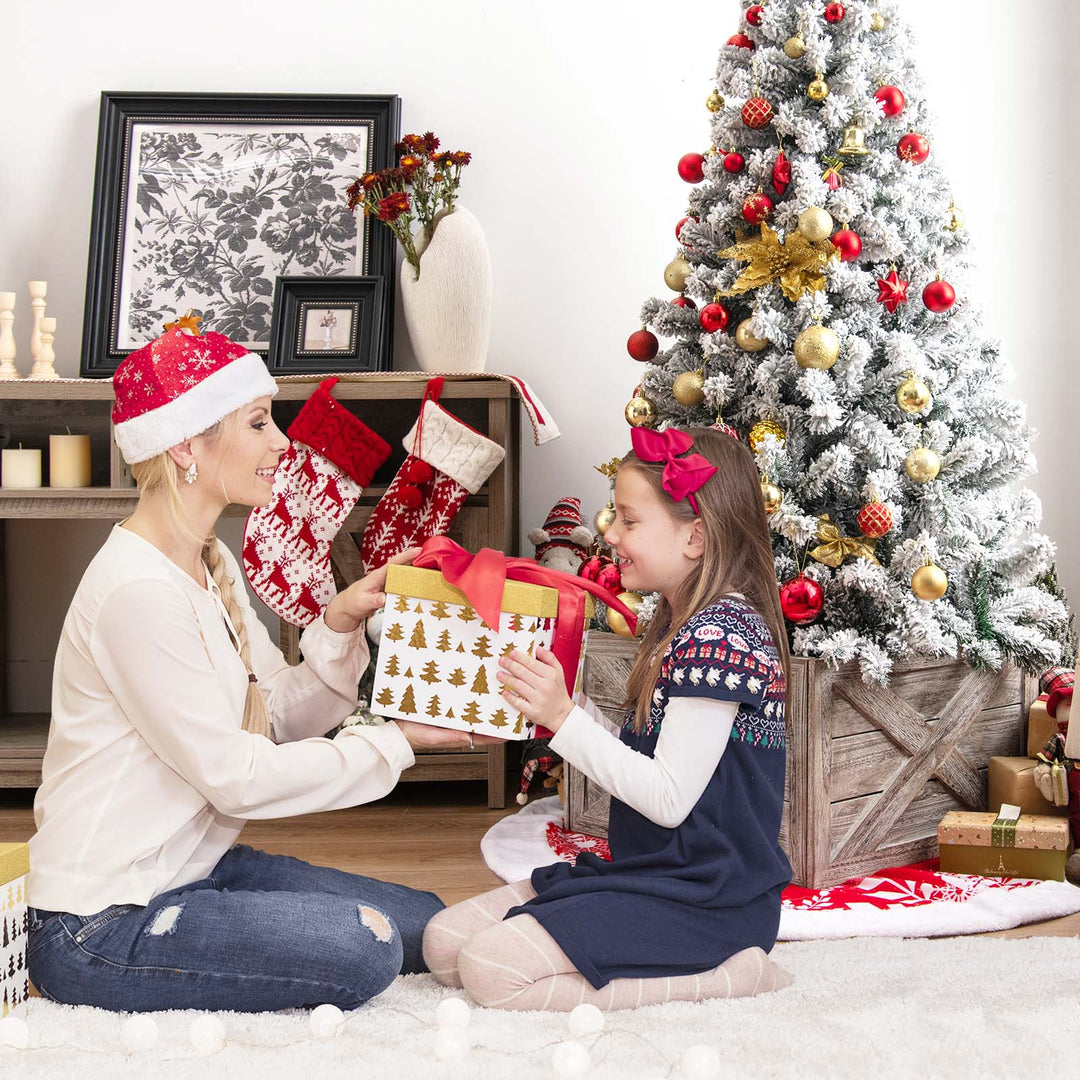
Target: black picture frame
(147,244)
(303,340)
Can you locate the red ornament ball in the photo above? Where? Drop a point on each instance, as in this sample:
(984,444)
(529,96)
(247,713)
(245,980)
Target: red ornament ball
(692,168)
(801,600)
(727,429)
(714,317)
(684,302)
(753,14)
(914,148)
(848,243)
(874,520)
(757,208)
(610,578)
(939,296)
(642,345)
(834,12)
(418,472)
(592,566)
(410,496)
(892,100)
(734,162)
(757,112)
(682,222)
(741,41)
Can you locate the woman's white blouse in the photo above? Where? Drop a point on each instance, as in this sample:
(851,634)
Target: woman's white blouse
(148,775)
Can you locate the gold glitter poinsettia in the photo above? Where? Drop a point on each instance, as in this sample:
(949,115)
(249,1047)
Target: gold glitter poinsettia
(798,264)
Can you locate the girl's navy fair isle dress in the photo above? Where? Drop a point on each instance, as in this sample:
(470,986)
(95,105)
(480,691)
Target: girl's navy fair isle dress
(683,900)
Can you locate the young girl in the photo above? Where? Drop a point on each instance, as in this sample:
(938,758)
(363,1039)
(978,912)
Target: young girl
(174,718)
(690,903)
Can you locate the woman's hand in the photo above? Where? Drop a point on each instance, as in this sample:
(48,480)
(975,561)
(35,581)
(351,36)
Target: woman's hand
(536,687)
(428,737)
(362,598)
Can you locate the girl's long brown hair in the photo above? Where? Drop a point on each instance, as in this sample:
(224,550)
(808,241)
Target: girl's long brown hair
(738,557)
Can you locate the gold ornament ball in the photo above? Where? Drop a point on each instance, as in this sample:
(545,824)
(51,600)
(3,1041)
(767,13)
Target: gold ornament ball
(772,497)
(715,101)
(956,219)
(676,272)
(818,90)
(604,519)
(795,47)
(817,347)
(745,339)
(763,428)
(929,582)
(815,223)
(689,388)
(616,620)
(877,21)
(922,465)
(913,395)
(640,412)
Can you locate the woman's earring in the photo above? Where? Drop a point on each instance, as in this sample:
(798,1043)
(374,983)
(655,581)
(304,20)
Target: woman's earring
(192,474)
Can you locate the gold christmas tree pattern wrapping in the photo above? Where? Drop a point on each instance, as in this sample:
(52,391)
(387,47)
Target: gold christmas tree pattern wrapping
(798,264)
(438,660)
(835,547)
(14,924)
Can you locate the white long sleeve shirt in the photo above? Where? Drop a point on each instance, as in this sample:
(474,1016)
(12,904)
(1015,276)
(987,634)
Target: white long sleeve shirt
(667,786)
(148,775)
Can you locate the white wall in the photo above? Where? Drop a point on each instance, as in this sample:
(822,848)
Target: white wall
(576,115)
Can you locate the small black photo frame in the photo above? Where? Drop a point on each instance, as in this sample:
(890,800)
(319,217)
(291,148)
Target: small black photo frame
(326,325)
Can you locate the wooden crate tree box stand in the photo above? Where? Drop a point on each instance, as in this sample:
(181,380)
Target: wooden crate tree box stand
(14,923)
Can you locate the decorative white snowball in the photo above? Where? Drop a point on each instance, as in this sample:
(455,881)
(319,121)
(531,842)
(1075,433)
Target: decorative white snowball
(207,1034)
(14,1032)
(452,1044)
(570,1059)
(585,1020)
(453,1013)
(325,1021)
(699,1062)
(374,626)
(139,1033)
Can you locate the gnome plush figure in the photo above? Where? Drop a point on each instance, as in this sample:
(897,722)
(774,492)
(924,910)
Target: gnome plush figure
(563,542)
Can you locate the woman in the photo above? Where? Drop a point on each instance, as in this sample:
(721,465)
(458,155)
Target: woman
(174,719)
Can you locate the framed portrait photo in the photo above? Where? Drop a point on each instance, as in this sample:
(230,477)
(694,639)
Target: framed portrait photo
(325,325)
(203,201)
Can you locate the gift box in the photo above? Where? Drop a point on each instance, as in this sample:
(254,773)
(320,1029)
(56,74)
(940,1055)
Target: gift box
(1041,727)
(1012,780)
(14,923)
(1005,844)
(438,657)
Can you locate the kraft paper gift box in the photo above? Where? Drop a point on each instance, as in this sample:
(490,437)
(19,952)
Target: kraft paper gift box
(1012,780)
(14,923)
(438,659)
(1041,727)
(1005,844)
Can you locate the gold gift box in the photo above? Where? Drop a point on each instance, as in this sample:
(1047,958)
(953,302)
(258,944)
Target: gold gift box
(1041,727)
(14,982)
(1012,780)
(988,844)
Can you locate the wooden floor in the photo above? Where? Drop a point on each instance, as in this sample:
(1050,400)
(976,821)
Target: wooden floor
(426,835)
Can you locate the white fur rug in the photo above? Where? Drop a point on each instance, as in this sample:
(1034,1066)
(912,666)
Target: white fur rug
(881,1008)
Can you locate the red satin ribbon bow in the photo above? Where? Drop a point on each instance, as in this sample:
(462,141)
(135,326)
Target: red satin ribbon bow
(682,475)
(482,577)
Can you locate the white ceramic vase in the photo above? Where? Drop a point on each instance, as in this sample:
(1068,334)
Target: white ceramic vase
(448,311)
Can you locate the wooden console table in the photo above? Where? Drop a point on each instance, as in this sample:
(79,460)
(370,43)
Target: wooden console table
(387,402)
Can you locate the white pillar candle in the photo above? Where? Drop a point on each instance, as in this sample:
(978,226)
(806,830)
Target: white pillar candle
(20,469)
(69,461)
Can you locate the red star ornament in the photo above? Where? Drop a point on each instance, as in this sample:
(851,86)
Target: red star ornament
(892,291)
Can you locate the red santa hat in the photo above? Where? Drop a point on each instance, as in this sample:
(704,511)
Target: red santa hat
(563,528)
(179,385)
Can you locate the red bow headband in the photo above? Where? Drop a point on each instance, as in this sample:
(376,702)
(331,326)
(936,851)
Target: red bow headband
(682,475)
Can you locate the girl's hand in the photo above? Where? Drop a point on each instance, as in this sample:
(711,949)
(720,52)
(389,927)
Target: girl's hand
(362,598)
(427,737)
(536,687)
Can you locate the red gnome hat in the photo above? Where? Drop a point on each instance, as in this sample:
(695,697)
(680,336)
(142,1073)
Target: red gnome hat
(564,538)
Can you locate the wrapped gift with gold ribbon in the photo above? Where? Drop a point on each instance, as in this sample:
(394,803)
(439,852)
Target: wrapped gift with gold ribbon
(14,923)
(1012,780)
(1004,844)
(835,547)
(451,616)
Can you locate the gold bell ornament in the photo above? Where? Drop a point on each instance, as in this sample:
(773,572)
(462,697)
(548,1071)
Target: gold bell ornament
(817,347)
(956,218)
(795,47)
(922,465)
(854,144)
(676,272)
(604,519)
(771,495)
(877,21)
(616,620)
(816,223)
(929,582)
(757,434)
(913,395)
(818,90)
(747,341)
(714,102)
(640,412)
(689,388)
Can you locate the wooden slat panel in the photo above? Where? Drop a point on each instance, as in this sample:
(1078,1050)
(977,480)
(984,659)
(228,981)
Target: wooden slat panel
(23,737)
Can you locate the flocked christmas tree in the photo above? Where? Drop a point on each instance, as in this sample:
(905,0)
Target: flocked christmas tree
(824,314)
